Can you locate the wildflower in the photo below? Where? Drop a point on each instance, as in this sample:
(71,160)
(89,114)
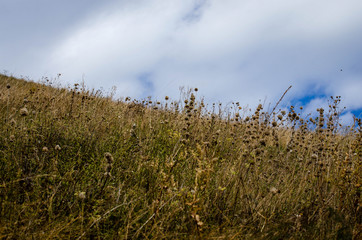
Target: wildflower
(57,148)
(45,149)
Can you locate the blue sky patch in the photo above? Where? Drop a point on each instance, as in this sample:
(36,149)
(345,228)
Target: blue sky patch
(147,84)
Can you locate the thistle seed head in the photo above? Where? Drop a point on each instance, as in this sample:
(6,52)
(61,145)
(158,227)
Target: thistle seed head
(24,111)
(109,157)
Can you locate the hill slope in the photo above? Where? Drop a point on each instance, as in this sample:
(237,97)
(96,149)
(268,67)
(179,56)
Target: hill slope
(75,164)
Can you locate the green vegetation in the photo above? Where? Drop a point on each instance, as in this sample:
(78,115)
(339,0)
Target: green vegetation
(75,164)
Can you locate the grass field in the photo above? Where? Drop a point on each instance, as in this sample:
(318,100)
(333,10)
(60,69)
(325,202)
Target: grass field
(75,164)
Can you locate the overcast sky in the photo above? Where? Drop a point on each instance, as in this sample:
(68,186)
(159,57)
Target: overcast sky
(232,50)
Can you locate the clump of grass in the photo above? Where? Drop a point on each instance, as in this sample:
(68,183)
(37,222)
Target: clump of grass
(77,164)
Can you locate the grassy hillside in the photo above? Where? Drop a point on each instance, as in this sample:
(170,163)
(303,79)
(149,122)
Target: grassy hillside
(76,165)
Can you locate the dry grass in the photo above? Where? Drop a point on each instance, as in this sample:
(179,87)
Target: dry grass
(76,164)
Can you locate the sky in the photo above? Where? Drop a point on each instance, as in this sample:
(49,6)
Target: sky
(244,51)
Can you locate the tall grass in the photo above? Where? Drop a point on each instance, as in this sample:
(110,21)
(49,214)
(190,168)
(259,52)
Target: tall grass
(75,164)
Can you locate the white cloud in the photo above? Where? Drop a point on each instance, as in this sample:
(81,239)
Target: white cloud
(350,89)
(347,119)
(231,50)
(312,106)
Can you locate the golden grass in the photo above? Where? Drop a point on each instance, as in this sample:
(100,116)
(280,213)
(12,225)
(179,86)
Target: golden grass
(76,164)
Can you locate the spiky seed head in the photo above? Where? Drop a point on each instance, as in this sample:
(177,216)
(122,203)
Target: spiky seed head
(12,138)
(192,97)
(109,157)
(12,122)
(81,195)
(24,111)
(274,190)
